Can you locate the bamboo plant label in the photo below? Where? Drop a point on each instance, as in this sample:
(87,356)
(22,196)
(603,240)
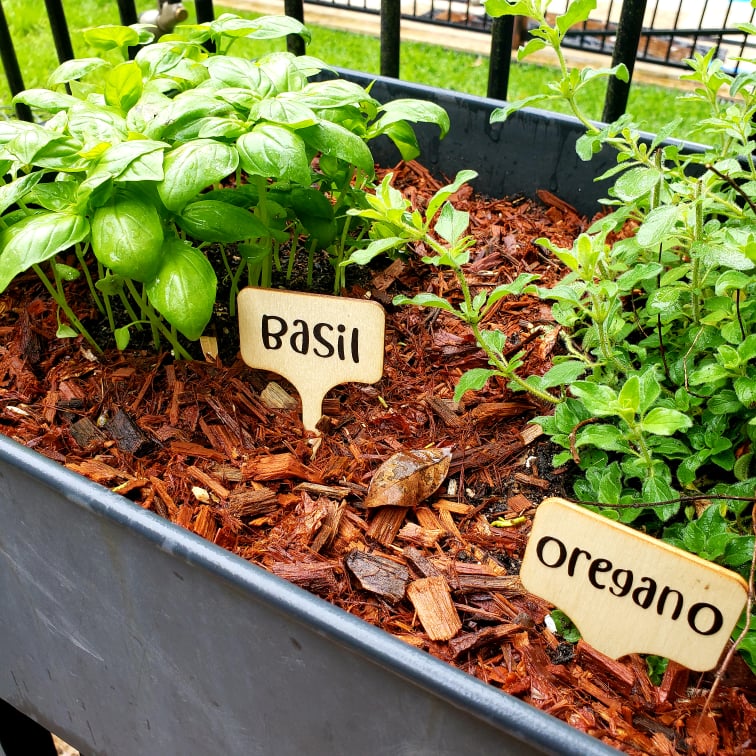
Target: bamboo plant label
(314,341)
(628,592)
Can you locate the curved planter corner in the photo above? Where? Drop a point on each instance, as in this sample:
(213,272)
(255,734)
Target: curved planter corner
(126,634)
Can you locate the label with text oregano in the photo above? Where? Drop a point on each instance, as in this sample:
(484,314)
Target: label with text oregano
(628,592)
(314,341)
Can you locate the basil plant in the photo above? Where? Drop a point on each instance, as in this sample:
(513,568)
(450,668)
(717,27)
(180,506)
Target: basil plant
(151,176)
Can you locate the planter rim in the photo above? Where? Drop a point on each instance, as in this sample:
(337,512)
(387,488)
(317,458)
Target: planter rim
(427,92)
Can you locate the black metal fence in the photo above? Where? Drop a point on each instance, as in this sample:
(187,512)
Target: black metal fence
(660,31)
(671,30)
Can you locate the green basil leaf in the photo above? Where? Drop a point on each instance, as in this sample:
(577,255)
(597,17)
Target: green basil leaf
(135,160)
(17,189)
(59,196)
(214,221)
(123,86)
(230,128)
(127,236)
(337,93)
(312,209)
(275,152)
(235,72)
(46,99)
(94,125)
(73,70)
(183,291)
(415,111)
(403,136)
(112,37)
(283,71)
(36,239)
(263,27)
(192,167)
(284,111)
(332,139)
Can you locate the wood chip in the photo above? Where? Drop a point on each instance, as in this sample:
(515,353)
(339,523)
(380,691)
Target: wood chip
(204,523)
(127,434)
(251,502)
(329,526)
(275,396)
(378,574)
(277,467)
(445,409)
(386,523)
(335,492)
(432,600)
(189,449)
(413,533)
(484,637)
(85,432)
(619,674)
(530,433)
(318,577)
(208,481)
(420,562)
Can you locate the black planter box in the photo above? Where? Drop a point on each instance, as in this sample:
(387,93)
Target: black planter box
(125,634)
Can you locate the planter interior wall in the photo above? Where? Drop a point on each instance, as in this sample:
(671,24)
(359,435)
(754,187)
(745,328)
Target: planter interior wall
(127,635)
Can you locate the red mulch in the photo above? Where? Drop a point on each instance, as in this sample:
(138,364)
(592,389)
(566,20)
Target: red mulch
(196,443)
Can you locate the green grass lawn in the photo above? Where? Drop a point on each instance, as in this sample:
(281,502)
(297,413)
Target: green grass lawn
(422,63)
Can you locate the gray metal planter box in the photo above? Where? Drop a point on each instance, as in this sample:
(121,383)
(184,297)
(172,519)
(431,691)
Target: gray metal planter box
(125,634)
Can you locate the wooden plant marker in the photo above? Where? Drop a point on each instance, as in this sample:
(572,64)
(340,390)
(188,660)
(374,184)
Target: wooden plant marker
(314,341)
(628,592)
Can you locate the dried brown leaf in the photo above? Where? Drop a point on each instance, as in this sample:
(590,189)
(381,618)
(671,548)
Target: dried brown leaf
(407,478)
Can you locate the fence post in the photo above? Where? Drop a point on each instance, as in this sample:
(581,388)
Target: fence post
(294,43)
(10,64)
(391,15)
(59,29)
(625,51)
(502,31)
(204,9)
(128,12)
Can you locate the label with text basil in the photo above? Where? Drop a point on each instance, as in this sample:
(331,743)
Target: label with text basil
(628,592)
(314,341)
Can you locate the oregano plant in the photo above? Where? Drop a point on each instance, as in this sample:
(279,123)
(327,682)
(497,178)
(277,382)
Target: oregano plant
(653,398)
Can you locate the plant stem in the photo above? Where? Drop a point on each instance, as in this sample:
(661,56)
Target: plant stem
(695,262)
(60,300)
(156,324)
(499,362)
(81,257)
